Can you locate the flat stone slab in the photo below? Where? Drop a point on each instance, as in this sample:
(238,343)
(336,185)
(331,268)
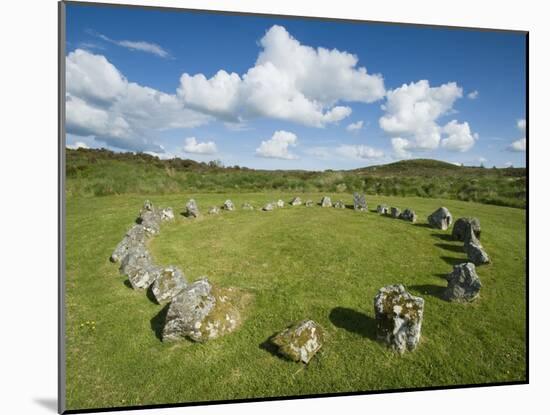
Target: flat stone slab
(301,341)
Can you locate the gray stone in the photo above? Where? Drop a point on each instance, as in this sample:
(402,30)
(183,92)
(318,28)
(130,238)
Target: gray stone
(268,207)
(214,210)
(398,317)
(463,283)
(474,249)
(166,214)
(247,206)
(136,236)
(359,202)
(280,203)
(339,205)
(395,212)
(296,201)
(168,284)
(228,205)
(309,203)
(409,215)
(460,228)
(138,266)
(191,209)
(200,312)
(441,219)
(300,341)
(147,205)
(326,202)
(383,209)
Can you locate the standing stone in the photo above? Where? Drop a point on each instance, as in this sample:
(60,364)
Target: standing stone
(166,214)
(309,203)
(138,266)
(169,283)
(339,205)
(398,317)
(147,205)
(268,207)
(135,237)
(359,202)
(395,212)
(214,210)
(474,249)
(228,205)
(409,215)
(460,228)
(200,312)
(300,341)
(441,219)
(296,201)
(326,202)
(463,283)
(150,218)
(247,206)
(192,210)
(383,209)
(280,203)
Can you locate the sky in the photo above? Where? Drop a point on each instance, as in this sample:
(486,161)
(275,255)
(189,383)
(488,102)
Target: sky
(291,93)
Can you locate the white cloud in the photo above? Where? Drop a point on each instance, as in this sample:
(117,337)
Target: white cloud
(287,82)
(473,95)
(411,112)
(100,102)
(193,146)
(76,145)
(138,45)
(521,124)
(458,136)
(518,145)
(278,146)
(401,147)
(355,126)
(359,152)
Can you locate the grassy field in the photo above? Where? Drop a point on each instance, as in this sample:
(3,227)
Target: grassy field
(296,263)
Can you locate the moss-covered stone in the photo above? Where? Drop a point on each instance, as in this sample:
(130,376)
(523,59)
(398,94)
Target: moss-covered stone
(168,284)
(301,341)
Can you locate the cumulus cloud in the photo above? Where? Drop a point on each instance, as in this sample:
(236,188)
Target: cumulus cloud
(458,136)
(287,82)
(102,103)
(521,144)
(138,45)
(473,95)
(354,126)
(278,146)
(359,152)
(401,147)
(76,145)
(193,146)
(521,124)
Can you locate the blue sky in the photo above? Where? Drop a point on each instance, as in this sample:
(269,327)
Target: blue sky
(292,93)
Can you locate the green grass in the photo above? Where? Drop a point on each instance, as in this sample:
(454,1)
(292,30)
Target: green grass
(297,262)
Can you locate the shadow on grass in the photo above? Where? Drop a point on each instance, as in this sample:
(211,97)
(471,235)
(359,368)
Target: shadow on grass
(150,295)
(423,225)
(128,284)
(443,236)
(353,321)
(444,276)
(271,348)
(449,247)
(453,261)
(157,322)
(428,289)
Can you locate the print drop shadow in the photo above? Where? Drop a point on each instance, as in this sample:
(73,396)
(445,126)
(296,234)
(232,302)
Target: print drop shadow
(450,247)
(157,322)
(353,321)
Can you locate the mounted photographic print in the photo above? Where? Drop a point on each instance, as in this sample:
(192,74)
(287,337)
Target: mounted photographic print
(258,206)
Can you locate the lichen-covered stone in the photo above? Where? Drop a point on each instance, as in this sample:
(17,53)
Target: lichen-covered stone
(359,202)
(441,219)
(192,209)
(268,207)
(383,209)
(138,266)
(309,203)
(147,205)
(168,284)
(326,202)
(409,215)
(463,283)
(200,312)
(398,317)
(136,236)
(280,203)
(228,205)
(460,228)
(166,214)
(300,341)
(214,210)
(395,212)
(247,206)
(339,205)
(296,201)
(473,248)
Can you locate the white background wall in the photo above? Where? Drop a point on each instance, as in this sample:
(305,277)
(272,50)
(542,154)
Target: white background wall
(28,224)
